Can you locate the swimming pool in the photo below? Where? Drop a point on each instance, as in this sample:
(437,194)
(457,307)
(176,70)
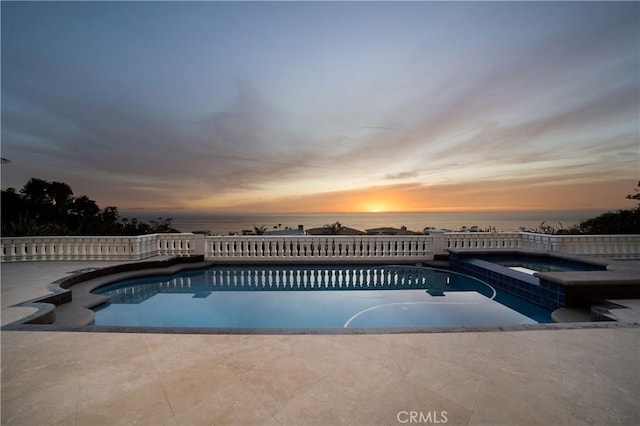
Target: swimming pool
(311,296)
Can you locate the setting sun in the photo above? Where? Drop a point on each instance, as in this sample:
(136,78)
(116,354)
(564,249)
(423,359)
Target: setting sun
(377,209)
(376,200)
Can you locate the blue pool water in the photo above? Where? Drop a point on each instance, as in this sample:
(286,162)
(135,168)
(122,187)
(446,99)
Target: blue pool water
(540,263)
(311,297)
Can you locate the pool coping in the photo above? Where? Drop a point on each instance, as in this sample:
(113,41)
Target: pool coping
(319,331)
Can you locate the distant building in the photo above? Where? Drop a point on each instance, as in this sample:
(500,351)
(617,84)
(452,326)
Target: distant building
(392,231)
(327,231)
(298,231)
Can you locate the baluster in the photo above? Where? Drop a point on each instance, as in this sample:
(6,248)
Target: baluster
(9,251)
(40,250)
(96,249)
(14,251)
(174,246)
(51,253)
(22,251)
(88,248)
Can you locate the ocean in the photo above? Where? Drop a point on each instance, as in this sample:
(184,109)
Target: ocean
(223,224)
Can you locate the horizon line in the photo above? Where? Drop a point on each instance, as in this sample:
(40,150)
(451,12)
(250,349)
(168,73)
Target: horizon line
(275,213)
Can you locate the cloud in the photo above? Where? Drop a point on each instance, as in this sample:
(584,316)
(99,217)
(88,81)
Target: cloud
(542,193)
(564,106)
(401,175)
(237,148)
(537,102)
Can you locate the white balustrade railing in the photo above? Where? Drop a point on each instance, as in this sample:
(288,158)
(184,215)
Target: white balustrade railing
(483,240)
(95,248)
(306,248)
(319,247)
(607,246)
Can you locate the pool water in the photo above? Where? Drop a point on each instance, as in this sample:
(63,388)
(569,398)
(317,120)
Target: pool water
(540,263)
(310,297)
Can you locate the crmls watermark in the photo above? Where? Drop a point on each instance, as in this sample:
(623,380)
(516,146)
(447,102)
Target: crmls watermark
(434,417)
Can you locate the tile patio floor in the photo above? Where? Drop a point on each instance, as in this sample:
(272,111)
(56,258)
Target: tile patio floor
(545,377)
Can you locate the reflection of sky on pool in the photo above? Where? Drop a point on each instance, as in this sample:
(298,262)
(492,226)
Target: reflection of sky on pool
(310,309)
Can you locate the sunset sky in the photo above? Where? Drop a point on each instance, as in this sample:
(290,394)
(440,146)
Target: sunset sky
(325,107)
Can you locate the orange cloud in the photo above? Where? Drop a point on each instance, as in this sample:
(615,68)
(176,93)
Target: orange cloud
(488,196)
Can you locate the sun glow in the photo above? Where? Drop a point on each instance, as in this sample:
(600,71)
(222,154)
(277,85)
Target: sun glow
(381,200)
(376,207)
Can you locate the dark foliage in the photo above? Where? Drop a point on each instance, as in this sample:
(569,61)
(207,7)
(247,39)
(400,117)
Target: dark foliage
(620,222)
(49,208)
(635,196)
(334,228)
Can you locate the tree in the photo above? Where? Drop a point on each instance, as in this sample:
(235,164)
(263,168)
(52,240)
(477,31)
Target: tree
(133,227)
(620,222)
(35,191)
(161,226)
(84,214)
(334,228)
(635,196)
(49,208)
(259,230)
(59,193)
(13,205)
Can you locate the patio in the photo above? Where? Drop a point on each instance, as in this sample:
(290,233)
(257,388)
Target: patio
(561,377)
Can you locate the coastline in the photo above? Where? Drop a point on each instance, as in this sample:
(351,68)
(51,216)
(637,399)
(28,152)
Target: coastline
(222,224)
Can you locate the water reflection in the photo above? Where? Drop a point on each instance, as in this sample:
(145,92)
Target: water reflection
(204,282)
